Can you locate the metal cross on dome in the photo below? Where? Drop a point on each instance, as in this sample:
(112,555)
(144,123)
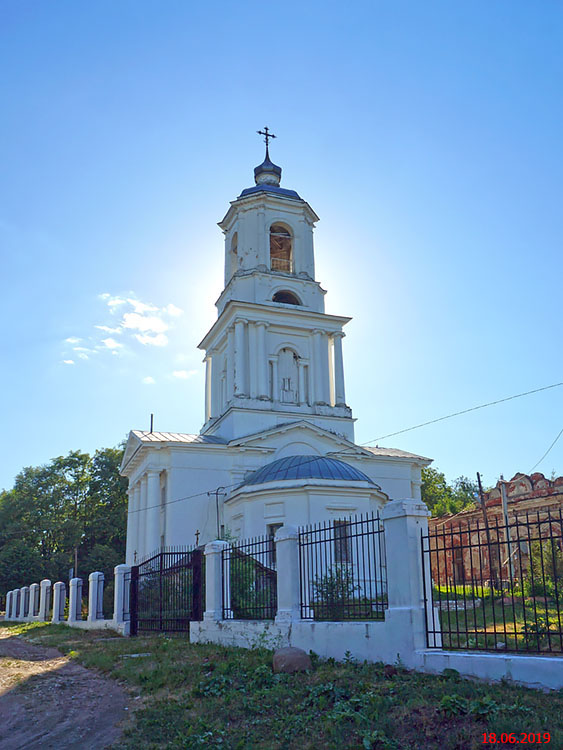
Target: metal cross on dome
(266,133)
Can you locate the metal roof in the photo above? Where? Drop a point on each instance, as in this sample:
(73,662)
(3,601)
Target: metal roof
(276,189)
(176,437)
(392,452)
(306,467)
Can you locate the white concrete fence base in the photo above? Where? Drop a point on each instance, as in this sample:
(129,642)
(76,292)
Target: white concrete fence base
(401,635)
(22,604)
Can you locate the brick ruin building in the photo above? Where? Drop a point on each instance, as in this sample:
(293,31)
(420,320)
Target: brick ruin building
(465,550)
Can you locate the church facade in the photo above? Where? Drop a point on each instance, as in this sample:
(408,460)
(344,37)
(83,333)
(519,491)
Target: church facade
(277,446)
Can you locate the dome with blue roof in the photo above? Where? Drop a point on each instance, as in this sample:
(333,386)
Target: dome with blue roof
(306,467)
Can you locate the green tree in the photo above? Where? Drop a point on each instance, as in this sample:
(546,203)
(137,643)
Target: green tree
(441,497)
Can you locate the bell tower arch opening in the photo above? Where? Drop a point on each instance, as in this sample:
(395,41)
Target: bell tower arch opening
(281,248)
(286,297)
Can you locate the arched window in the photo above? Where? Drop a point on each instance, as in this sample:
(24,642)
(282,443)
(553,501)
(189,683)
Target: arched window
(281,249)
(288,298)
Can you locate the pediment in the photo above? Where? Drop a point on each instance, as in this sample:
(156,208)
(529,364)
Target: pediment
(131,446)
(300,437)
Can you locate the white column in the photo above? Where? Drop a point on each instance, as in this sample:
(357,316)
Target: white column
(95,596)
(33,600)
(301,382)
(136,524)
(45,595)
(207,361)
(132,518)
(287,558)
(214,580)
(261,360)
(215,385)
(404,522)
(320,370)
(253,360)
(59,602)
(153,513)
(230,362)
(275,381)
(143,520)
(240,358)
(339,395)
(75,600)
(120,593)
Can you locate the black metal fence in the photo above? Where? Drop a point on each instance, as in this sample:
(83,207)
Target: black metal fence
(342,569)
(167,590)
(496,586)
(250,580)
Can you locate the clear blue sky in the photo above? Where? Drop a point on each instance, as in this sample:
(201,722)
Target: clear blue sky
(427,136)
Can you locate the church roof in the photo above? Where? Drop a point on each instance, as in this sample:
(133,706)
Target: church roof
(306,467)
(393,453)
(275,189)
(176,437)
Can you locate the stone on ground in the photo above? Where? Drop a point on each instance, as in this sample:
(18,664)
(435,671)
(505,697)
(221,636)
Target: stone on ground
(291,659)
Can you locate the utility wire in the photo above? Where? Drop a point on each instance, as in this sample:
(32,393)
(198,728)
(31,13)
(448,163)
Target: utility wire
(465,411)
(547,451)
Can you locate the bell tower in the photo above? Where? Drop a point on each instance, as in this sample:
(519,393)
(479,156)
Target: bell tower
(273,355)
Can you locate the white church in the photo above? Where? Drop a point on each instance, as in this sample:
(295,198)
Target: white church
(277,446)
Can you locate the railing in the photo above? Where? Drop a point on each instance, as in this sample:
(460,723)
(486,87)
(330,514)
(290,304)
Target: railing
(249,580)
(281,264)
(342,569)
(497,586)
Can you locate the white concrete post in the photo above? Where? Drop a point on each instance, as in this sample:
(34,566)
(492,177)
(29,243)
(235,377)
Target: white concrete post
(33,601)
(287,564)
(120,593)
(8,615)
(405,521)
(75,600)
(24,603)
(59,602)
(240,358)
(214,581)
(339,395)
(95,596)
(45,595)
(153,513)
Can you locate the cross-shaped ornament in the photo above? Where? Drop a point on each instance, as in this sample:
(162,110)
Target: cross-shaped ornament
(266,133)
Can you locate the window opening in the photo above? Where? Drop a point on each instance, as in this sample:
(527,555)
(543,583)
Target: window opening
(288,298)
(342,542)
(280,249)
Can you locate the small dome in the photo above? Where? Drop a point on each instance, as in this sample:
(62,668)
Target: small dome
(267,173)
(306,467)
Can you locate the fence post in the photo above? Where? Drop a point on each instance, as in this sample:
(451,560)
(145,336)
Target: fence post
(59,602)
(405,521)
(33,601)
(45,595)
(120,595)
(95,595)
(214,580)
(8,615)
(75,600)
(287,559)
(24,607)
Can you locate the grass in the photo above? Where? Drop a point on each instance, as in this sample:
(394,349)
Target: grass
(206,696)
(521,625)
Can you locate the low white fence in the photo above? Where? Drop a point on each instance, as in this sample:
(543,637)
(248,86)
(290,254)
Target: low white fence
(44,602)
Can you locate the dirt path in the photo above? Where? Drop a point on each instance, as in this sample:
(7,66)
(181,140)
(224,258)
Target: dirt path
(49,701)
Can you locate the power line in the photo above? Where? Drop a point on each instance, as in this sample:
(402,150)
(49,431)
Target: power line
(547,451)
(465,411)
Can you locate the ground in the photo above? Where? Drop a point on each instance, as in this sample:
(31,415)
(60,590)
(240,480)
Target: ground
(185,696)
(48,700)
